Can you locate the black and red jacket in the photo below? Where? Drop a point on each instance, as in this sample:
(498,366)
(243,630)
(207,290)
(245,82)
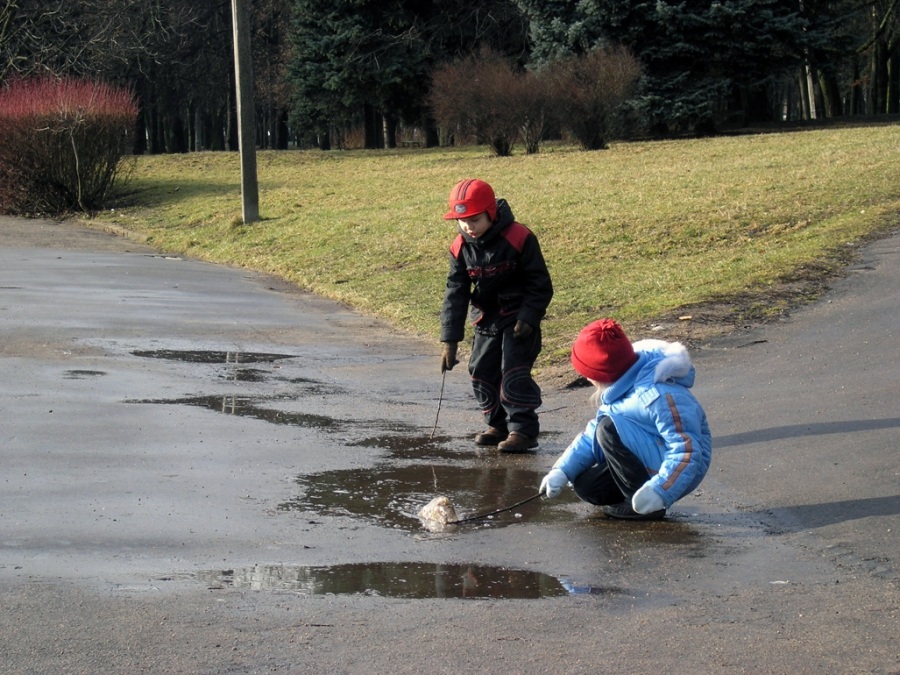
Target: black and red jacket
(502,276)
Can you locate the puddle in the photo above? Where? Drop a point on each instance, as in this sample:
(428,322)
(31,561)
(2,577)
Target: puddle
(314,387)
(247,406)
(195,356)
(415,447)
(82,374)
(401,580)
(391,496)
(246,375)
(250,406)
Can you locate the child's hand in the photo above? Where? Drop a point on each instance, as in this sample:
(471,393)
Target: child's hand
(553,483)
(448,358)
(522,330)
(646,500)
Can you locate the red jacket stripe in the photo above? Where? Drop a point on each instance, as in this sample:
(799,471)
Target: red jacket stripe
(688,446)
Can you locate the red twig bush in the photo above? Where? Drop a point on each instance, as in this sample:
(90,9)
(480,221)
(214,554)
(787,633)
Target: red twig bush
(62,144)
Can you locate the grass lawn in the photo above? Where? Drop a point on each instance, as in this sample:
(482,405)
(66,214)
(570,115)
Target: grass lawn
(643,232)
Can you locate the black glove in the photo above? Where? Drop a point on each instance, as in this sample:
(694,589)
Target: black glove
(448,358)
(522,330)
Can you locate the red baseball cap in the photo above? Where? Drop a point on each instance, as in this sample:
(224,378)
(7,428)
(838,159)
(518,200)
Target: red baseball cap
(470,197)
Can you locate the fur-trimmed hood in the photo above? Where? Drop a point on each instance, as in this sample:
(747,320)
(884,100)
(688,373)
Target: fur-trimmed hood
(671,361)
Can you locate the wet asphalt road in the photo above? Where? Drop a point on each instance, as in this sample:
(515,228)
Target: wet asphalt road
(207,471)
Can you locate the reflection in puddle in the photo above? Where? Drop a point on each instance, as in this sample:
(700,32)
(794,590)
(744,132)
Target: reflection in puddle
(190,356)
(393,495)
(82,374)
(249,406)
(314,387)
(401,580)
(246,375)
(414,447)
(246,406)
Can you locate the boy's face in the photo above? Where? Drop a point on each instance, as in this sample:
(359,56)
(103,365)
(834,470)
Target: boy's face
(476,225)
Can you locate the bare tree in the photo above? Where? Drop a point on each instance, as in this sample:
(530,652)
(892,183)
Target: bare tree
(590,91)
(475,95)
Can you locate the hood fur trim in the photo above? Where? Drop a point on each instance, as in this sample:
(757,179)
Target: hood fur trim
(676,361)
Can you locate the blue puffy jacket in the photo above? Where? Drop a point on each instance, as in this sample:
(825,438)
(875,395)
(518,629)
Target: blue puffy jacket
(657,418)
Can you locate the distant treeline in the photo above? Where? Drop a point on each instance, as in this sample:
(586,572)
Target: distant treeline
(376,74)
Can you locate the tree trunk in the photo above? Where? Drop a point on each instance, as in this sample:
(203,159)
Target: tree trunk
(892,96)
(804,95)
(855,106)
(154,126)
(324,139)
(432,134)
(373,131)
(389,123)
(878,95)
(810,91)
(831,94)
(281,130)
(177,140)
(140,130)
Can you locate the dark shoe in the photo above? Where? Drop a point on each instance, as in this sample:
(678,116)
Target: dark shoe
(623,511)
(518,443)
(492,436)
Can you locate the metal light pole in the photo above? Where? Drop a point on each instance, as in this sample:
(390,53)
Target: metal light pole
(243,77)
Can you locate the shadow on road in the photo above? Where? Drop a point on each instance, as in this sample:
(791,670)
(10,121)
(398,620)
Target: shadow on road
(799,430)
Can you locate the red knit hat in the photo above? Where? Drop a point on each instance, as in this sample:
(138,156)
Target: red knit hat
(470,197)
(602,352)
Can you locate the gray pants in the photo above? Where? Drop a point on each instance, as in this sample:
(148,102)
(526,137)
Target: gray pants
(500,367)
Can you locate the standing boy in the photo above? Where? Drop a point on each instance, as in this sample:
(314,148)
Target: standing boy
(649,444)
(498,276)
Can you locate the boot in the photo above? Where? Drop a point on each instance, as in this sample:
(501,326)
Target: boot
(492,436)
(623,511)
(517,442)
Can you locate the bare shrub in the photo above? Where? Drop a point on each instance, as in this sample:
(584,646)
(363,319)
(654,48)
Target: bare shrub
(532,100)
(590,90)
(473,96)
(62,144)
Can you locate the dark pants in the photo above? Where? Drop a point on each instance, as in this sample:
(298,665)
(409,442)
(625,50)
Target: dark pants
(500,366)
(615,480)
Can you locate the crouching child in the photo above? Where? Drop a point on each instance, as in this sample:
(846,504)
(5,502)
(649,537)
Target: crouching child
(649,444)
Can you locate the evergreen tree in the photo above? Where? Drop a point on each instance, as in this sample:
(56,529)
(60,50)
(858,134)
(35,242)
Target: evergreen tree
(356,55)
(701,59)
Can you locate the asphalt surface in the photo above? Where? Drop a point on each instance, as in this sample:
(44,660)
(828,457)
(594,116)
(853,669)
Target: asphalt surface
(207,471)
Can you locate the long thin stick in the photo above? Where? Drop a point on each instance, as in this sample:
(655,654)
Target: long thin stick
(494,513)
(440,400)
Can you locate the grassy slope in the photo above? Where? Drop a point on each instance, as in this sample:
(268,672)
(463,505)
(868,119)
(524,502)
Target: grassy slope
(635,232)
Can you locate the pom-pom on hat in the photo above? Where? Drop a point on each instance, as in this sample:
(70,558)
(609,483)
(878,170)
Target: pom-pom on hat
(602,352)
(470,197)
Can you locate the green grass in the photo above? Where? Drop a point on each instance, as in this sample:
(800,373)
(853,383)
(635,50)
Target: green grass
(634,232)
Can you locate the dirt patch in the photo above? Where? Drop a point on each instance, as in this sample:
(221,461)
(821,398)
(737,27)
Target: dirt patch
(69,235)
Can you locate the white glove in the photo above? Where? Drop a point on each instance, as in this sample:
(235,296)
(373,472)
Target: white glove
(646,500)
(553,483)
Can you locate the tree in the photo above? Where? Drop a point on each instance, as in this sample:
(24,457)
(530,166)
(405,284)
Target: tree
(883,44)
(355,55)
(699,58)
